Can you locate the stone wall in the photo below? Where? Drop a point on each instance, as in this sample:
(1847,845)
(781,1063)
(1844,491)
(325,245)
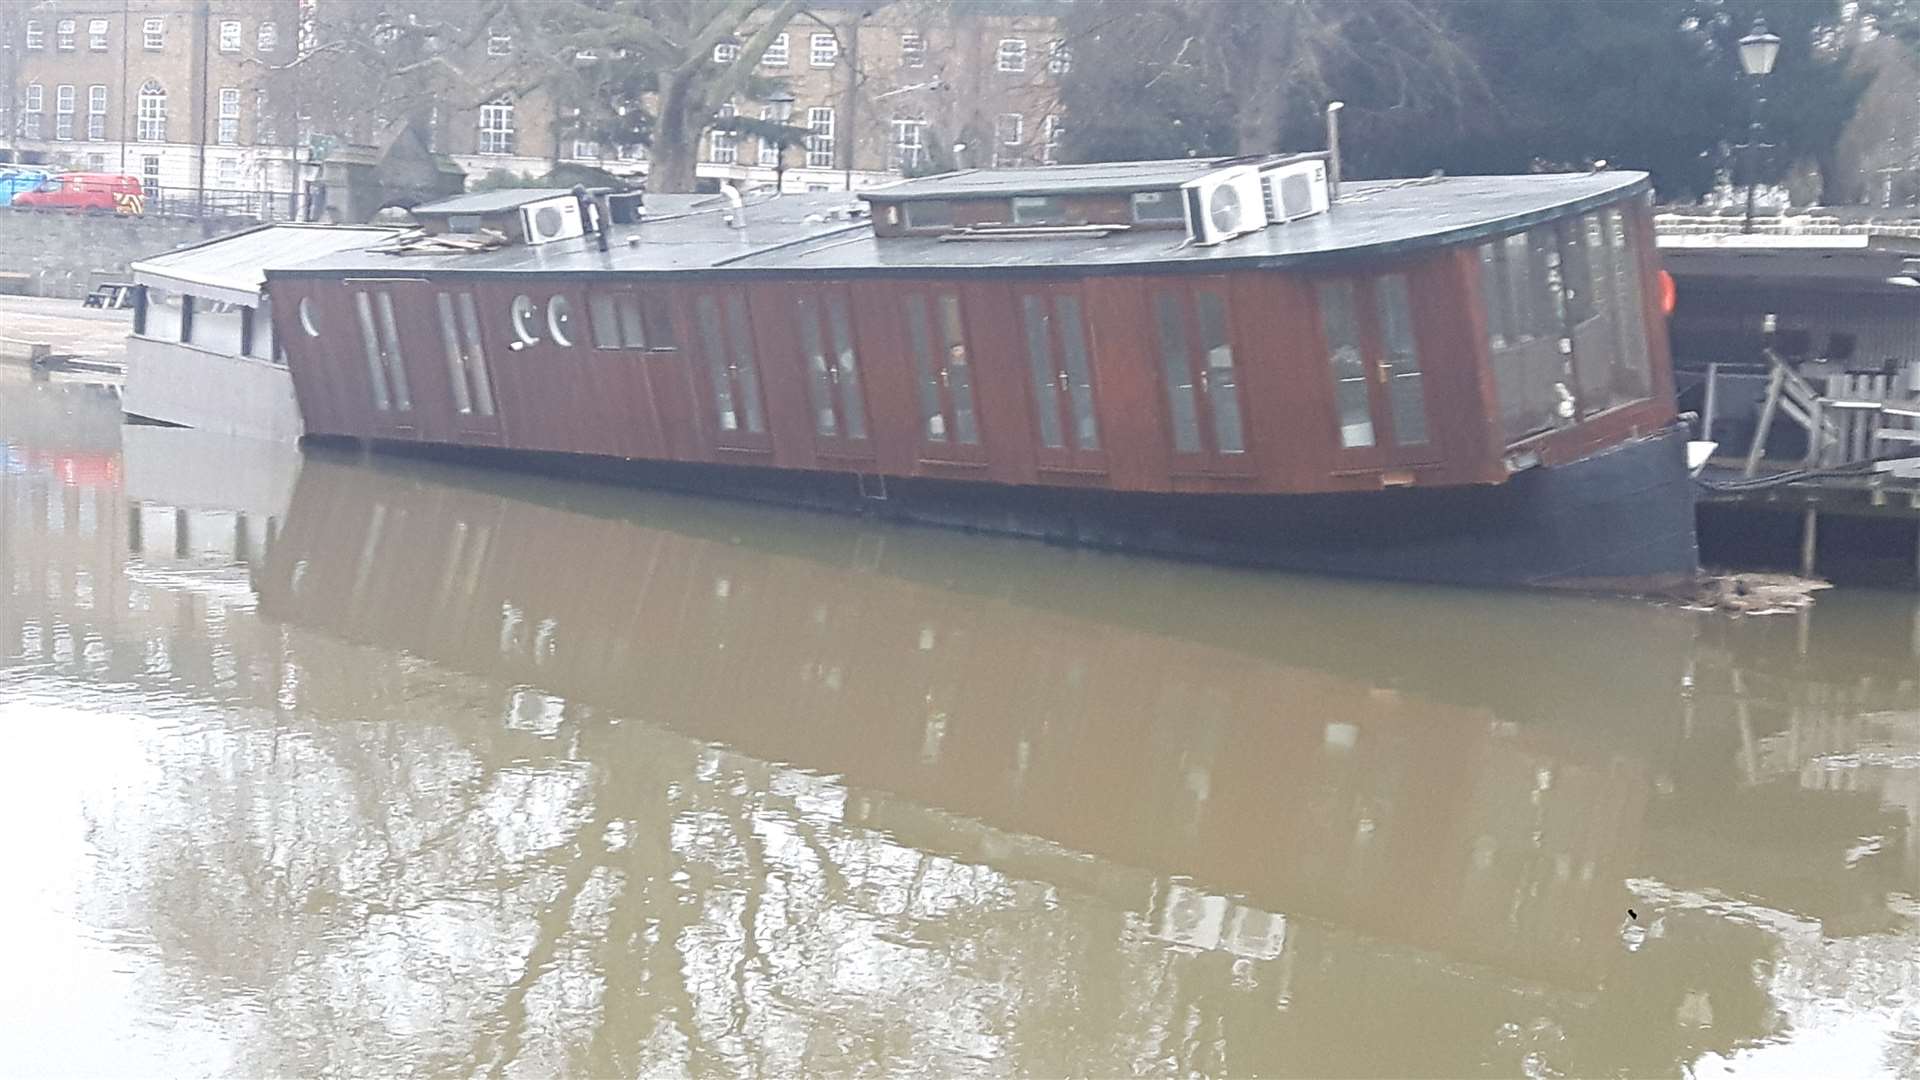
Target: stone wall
(68,253)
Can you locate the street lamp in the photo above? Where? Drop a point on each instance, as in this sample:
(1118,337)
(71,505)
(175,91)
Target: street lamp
(782,104)
(1758,51)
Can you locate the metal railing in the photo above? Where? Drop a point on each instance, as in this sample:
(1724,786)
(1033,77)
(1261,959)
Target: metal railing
(204,202)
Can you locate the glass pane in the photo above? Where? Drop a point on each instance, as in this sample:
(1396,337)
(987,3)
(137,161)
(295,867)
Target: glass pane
(1046,392)
(715,347)
(476,357)
(603,322)
(1493,293)
(1073,349)
(396,365)
(852,409)
(1406,394)
(741,331)
(1633,379)
(1222,382)
(923,364)
(1337,319)
(966,428)
(456,363)
(632,334)
(370,341)
(560,321)
(1177,372)
(814,353)
(659,323)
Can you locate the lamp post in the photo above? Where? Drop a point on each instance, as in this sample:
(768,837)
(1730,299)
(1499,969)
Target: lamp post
(1758,50)
(782,105)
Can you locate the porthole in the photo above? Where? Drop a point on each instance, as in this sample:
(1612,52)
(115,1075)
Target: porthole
(560,320)
(524,326)
(307,322)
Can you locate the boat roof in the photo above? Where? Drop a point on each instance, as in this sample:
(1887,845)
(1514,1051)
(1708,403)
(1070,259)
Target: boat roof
(233,267)
(830,235)
(488,202)
(1101,178)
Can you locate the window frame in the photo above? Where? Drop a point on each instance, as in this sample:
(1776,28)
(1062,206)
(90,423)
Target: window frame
(97,31)
(266,37)
(1010,56)
(36,35)
(823,50)
(66,35)
(913,49)
(820,141)
(779,52)
(496,130)
(153,34)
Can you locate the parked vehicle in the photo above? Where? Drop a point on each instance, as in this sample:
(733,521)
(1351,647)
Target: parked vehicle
(88,192)
(14,181)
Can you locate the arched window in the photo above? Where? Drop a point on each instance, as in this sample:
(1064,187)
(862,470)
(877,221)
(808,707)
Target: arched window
(152,114)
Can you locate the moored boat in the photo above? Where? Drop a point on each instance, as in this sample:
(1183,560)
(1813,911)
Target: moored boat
(1457,379)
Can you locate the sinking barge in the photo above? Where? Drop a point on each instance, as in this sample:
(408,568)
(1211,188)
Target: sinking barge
(1456,379)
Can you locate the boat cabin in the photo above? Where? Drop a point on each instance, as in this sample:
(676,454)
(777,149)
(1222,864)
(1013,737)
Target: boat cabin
(1230,326)
(204,351)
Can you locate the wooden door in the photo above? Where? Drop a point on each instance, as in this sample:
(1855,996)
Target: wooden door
(472,402)
(944,372)
(729,371)
(380,346)
(1066,414)
(836,398)
(1200,375)
(669,376)
(1380,403)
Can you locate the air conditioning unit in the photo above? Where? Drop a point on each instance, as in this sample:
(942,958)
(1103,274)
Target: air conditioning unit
(1294,190)
(1222,205)
(548,220)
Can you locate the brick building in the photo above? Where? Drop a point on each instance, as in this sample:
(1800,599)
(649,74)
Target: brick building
(167,90)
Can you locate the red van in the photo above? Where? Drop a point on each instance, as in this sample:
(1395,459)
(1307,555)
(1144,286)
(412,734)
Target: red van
(106,193)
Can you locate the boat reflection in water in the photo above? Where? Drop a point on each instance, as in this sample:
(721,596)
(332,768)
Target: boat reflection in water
(474,772)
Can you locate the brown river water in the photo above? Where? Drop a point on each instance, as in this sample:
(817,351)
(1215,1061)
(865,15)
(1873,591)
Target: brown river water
(325,764)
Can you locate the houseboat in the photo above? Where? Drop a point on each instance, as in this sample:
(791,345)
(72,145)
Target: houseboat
(1458,379)
(203,352)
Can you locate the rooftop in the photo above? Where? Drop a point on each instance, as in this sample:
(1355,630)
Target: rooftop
(233,267)
(816,233)
(1095,179)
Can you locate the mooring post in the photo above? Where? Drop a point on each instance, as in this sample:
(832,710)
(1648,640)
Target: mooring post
(1809,539)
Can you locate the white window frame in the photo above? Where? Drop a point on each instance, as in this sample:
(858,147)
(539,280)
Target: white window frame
(227,171)
(1011,55)
(36,35)
(97,112)
(151,115)
(726,52)
(495,134)
(820,142)
(1007,151)
(1051,127)
(65,35)
(1059,58)
(97,35)
(153,34)
(31,106)
(723,147)
(64,101)
(586,150)
(230,35)
(778,54)
(228,133)
(909,142)
(913,50)
(263,127)
(267,38)
(823,50)
(499,43)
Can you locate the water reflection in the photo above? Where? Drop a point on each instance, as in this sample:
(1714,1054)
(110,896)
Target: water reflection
(416,769)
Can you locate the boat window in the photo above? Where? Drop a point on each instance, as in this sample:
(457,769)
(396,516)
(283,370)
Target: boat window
(966,429)
(712,342)
(524,327)
(370,344)
(1046,391)
(1633,380)
(1039,210)
(476,357)
(456,359)
(560,321)
(1073,349)
(633,333)
(1176,371)
(261,341)
(1406,387)
(740,329)
(933,420)
(1157,206)
(1494,295)
(215,326)
(819,378)
(163,315)
(309,317)
(1339,320)
(603,321)
(1220,379)
(396,363)
(659,336)
(840,327)
(930,214)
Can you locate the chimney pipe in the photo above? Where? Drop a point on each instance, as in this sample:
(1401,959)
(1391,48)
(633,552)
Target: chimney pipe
(1333,149)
